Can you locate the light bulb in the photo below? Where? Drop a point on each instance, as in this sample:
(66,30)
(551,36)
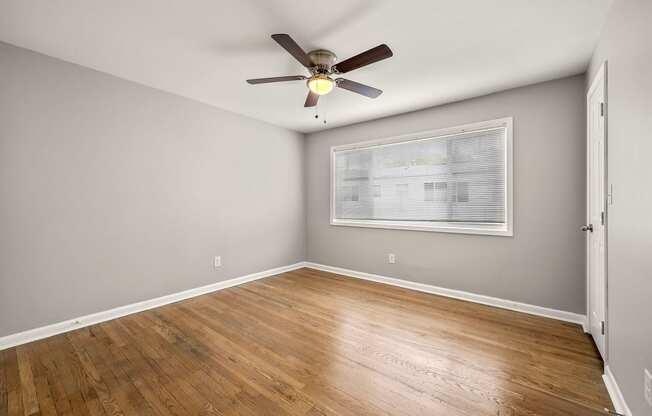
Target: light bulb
(320,84)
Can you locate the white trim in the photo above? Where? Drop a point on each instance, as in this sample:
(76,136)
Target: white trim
(462,228)
(448,227)
(457,294)
(615,394)
(95,318)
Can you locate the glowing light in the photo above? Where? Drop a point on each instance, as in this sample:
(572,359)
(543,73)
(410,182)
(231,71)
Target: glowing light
(320,84)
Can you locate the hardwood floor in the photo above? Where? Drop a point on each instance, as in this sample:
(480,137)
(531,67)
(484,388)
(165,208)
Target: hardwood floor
(310,343)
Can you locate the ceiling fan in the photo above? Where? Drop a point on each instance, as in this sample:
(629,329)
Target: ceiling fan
(321,64)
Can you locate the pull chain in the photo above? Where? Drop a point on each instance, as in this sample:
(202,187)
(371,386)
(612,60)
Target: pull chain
(317,113)
(324,113)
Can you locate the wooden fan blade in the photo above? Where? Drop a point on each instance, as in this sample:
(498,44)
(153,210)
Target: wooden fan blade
(376,54)
(293,48)
(311,100)
(356,87)
(276,79)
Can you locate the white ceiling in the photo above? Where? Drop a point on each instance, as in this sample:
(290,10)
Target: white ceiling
(444,50)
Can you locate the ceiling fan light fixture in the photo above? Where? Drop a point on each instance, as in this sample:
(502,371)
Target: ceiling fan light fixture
(320,84)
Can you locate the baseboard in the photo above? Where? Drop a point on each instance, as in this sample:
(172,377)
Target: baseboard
(95,318)
(457,294)
(615,394)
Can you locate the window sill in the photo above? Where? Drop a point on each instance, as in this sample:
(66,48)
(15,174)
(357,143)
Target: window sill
(455,228)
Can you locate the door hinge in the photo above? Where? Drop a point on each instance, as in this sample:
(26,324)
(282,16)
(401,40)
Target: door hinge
(602,327)
(611,412)
(602,109)
(602,217)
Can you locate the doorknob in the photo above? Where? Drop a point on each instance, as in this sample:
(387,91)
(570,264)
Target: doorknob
(587,228)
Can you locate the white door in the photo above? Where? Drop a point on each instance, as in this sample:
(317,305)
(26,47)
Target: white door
(596,210)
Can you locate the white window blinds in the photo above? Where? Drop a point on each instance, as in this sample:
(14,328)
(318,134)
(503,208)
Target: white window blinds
(454,179)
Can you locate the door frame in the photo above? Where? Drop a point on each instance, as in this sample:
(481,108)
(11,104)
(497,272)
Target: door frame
(601,74)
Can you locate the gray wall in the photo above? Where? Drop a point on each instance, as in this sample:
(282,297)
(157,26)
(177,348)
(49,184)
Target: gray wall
(543,264)
(112,192)
(626,45)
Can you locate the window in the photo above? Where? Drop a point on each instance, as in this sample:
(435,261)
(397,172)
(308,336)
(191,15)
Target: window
(462,189)
(402,192)
(350,193)
(429,191)
(441,189)
(452,180)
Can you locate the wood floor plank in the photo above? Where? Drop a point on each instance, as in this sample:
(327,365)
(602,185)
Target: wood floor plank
(4,358)
(310,343)
(28,389)
(50,360)
(13,385)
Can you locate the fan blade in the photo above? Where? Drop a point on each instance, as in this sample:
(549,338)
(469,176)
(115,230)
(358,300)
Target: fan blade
(376,54)
(276,79)
(311,100)
(356,87)
(293,49)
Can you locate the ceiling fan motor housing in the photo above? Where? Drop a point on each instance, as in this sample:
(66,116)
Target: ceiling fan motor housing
(323,60)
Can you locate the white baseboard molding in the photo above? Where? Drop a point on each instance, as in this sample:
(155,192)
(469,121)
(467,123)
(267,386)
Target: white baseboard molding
(95,318)
(457,294)
(615,394)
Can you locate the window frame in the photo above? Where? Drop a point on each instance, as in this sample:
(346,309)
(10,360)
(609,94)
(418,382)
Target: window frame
(506,229)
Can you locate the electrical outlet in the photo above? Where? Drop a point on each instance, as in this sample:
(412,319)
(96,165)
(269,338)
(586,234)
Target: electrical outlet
(391,258)
(647,386)
(217,262)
